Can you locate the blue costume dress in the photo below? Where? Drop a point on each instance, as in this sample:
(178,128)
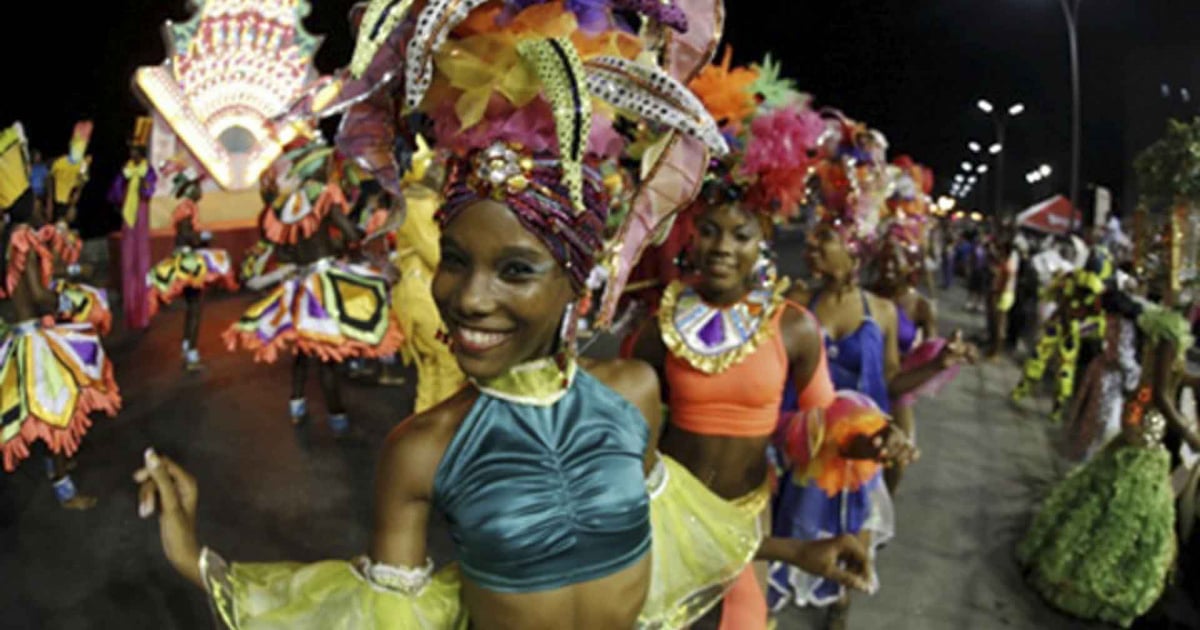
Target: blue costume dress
(807,511)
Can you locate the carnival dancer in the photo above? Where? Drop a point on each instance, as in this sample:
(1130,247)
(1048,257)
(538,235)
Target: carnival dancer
(725,340)
(1103,543)
(325,308)
(130,193)
(191,268)
(860,335)
(540,464)
(899,261)
(1077,318)
(68,174)
(52,376)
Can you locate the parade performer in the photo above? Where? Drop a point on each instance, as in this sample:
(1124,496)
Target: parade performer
(580,542)
(861,338)
(69,173)
(130,194)
(726,339)
(1104,541)
(899,262)
(191,268)
(1078,317)
(325,308)
(418,254)
(52,376)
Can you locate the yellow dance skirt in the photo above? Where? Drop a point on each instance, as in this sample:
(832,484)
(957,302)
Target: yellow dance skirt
(702,543)
(330,595)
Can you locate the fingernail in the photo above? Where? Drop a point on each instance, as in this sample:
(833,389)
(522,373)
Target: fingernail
(151,458)
(145,509)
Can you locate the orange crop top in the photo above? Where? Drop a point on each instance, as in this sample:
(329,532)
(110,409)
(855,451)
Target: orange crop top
(744,399)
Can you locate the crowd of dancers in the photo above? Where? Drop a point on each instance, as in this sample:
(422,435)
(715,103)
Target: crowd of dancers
(509,178)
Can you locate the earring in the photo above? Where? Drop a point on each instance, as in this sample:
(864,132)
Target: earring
(765,271)
(567,339)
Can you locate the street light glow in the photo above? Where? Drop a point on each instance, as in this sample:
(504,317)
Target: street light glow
(985,106)
(1045,170)
(996,148)
(1017,109)
(966,166)
(972,179)
(982,169)
(974,147)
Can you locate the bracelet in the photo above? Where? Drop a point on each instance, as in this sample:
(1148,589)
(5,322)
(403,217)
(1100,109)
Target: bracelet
(402,580)
(64,489)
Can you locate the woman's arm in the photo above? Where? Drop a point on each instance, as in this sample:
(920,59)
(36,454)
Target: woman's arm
(404,494)
(927,317)
(636,382)
(1165,353)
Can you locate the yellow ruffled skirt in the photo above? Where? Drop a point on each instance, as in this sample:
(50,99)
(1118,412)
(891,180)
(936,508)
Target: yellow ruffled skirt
(330,595)
(701,544)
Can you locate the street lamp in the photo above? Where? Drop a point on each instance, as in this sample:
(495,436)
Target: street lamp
(1000,118)
(983,168)
(1071,12)
(1045,170)
(966,166)
(974,147)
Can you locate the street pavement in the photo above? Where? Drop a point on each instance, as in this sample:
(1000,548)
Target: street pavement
(271,492)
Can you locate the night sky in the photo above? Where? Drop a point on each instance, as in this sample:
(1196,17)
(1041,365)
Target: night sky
(912,68)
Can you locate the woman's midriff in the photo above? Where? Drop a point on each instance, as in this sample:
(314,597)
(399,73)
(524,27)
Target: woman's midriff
(613,601)
(731,467)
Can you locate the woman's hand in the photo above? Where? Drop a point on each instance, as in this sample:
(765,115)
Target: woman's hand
(889,445)
(956,352)
(170,490)
(843,559)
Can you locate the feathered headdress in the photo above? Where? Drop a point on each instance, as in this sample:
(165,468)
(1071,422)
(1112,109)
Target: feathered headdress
(523,96)
(773,132)
(850,184)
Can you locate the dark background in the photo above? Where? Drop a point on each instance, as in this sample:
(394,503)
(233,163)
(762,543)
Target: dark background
(912,68)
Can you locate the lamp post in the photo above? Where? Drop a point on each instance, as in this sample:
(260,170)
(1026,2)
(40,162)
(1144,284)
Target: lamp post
(1000,118)
(1071,12)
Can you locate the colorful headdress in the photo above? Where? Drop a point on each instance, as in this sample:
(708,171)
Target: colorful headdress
(850,183)
(772,129)
(524,93)
(907,210)
(141,132)
(80,138)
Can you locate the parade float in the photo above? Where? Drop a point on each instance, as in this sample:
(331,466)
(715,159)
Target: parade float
(231,69)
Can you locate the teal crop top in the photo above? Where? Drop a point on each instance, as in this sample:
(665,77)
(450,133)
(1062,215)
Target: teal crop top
(542,497)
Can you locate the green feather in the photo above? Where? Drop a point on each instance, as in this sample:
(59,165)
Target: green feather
(775,90)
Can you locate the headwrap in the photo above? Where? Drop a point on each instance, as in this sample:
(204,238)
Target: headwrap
(534,191)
